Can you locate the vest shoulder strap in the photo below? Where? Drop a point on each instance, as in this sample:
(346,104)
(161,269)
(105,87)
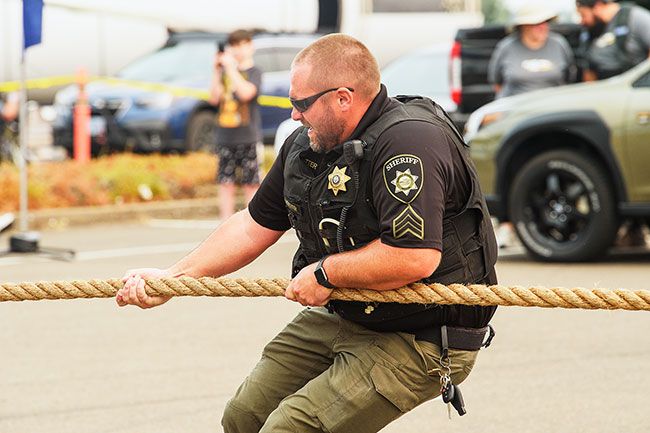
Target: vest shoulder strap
(410,108)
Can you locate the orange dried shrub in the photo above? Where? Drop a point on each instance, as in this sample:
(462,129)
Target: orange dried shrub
(9,187)
(183,175)
(116,178)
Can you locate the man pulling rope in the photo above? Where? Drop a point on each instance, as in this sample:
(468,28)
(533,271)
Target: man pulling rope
(382,193)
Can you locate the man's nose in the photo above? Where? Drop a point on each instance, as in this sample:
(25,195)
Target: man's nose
(295,114)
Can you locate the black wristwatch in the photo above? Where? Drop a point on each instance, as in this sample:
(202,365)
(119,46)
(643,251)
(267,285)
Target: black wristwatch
(321,275)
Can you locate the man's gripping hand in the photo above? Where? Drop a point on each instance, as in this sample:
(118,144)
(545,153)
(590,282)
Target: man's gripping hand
(305,289)
(133,293)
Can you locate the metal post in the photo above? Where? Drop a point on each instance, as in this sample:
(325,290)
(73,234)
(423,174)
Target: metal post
(22,155)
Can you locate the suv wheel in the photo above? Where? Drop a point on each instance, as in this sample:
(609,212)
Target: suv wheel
(562,206)
(200,132)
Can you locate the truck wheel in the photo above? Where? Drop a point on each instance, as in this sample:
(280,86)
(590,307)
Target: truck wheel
(563,208)
(200,132)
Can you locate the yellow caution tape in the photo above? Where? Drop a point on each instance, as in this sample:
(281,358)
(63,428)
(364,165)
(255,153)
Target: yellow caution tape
(37,83)
(182,92)
(178,91)
(274,101)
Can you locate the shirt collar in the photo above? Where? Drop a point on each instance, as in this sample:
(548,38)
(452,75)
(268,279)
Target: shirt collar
(377,106)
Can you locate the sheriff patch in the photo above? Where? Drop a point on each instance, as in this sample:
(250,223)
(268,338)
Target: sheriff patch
(403,177)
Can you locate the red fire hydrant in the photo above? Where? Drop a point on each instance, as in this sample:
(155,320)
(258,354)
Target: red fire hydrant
(81,121)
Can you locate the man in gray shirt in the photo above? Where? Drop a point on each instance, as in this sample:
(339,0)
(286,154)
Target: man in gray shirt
(624,41)
(531,58)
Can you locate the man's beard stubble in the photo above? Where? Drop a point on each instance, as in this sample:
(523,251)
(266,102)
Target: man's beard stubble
(597,29)
(329,135)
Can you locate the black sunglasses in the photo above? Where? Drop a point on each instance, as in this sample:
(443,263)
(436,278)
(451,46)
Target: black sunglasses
(302,105)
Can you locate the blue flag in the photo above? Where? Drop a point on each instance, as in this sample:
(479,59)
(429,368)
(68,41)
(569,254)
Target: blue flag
(32,22)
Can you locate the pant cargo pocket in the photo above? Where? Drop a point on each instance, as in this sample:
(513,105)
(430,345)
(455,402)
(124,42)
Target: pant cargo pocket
(389,386)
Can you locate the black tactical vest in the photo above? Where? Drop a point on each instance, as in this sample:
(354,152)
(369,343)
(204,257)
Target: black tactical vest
(607,55)
(327,223)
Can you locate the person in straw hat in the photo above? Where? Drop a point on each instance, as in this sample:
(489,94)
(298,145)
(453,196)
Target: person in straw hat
(532,57)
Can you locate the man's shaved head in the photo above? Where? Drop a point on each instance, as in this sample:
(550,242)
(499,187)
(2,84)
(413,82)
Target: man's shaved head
(338,60)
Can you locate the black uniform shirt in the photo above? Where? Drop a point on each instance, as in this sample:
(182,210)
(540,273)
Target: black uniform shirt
(413,162)
(442,187)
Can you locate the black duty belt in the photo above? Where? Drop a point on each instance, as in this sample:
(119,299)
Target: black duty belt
(458,338)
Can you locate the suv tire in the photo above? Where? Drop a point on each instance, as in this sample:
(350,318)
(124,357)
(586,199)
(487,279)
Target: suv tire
(200,132)
(563,208)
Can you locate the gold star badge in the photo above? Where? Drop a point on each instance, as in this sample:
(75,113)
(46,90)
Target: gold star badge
(337,179)
(405,182)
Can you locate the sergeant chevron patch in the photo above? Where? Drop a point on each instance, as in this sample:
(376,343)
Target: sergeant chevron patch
(408,222)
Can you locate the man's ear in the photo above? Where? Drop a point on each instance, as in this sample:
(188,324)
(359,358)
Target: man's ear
(345,98)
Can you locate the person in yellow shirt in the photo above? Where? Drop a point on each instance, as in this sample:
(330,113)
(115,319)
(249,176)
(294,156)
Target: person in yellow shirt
(235,87)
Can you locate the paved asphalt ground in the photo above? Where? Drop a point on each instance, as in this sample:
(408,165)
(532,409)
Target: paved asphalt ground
(85,366)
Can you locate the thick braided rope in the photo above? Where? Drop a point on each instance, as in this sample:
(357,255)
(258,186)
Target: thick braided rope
(589,299)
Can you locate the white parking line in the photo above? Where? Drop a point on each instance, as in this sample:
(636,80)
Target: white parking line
(135,251)
(183,224)
(85,256)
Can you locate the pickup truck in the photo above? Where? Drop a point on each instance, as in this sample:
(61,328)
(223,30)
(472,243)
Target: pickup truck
(470,55)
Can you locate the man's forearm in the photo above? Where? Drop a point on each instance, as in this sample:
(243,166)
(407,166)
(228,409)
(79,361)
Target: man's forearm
(216,89)
(244,89)
(378,266)
(234,244)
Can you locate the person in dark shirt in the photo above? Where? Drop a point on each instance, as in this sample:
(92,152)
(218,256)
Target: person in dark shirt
(235,87)
(381,193)
(618,38)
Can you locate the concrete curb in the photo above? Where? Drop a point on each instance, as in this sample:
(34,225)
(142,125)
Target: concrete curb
(65,217)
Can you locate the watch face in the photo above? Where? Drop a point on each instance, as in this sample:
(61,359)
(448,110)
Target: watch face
(321,276)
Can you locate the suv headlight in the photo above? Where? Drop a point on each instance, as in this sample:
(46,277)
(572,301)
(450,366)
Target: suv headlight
(483,117)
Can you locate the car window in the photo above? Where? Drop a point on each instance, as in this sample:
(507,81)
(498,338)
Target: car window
(285,56)
(644,81)
(183,61)
(423,74)
(265,60)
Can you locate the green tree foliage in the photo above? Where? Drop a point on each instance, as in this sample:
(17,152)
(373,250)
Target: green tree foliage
(495,12)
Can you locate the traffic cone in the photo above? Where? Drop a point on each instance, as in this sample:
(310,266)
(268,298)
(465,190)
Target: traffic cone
(81,121)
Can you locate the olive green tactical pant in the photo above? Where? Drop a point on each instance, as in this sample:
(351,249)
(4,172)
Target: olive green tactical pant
(326,374)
